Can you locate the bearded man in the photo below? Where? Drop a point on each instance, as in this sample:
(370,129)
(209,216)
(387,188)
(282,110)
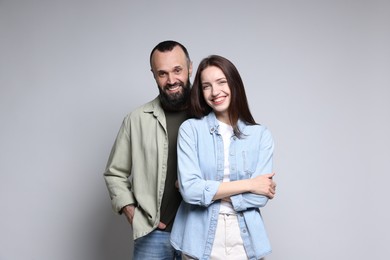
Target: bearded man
(141,172)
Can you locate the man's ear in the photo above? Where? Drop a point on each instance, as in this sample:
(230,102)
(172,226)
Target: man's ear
(153,73)
(190,70)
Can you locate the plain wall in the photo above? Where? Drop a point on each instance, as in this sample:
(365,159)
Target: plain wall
(317,73)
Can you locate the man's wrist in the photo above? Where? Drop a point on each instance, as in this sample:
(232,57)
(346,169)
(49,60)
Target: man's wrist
(122,209)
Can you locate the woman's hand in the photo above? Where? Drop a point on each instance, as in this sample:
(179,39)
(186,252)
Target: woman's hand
(263,185)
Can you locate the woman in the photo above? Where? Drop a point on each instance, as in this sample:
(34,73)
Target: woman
(223,158)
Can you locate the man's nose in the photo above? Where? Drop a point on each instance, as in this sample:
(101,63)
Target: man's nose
(171,78)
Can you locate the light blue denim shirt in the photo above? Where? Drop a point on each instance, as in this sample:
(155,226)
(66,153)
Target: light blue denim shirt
(200,172)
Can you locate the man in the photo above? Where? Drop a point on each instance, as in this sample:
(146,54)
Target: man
(141,171)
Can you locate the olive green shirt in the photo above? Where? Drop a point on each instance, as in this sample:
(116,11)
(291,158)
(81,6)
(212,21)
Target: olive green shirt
(137,167)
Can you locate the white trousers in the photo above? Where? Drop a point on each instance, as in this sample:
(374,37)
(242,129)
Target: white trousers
(228,244)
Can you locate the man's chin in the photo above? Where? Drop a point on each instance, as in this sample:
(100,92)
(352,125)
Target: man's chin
(175,101)
(174,96)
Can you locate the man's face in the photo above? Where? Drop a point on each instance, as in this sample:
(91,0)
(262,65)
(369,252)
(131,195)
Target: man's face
(171,72)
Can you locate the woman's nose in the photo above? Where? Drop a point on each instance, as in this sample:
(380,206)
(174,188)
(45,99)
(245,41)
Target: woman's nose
(215,90)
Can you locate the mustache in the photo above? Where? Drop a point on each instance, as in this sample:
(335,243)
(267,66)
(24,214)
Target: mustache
(174,84)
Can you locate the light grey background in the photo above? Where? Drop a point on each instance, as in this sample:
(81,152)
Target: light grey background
(316,73)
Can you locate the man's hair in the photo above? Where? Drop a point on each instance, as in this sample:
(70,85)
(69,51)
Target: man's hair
(168,46)
(238,108)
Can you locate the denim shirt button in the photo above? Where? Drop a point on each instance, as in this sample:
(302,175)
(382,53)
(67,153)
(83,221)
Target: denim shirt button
(244,231)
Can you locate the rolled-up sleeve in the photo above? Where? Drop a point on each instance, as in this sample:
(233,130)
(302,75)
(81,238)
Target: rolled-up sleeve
(194,187)
(264,165)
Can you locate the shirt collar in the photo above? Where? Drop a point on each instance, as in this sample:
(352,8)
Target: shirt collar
(213,123)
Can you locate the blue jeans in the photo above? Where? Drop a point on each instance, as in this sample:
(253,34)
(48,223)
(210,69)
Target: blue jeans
(155,245)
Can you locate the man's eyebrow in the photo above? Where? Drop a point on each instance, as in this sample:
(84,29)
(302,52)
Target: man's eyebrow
(174,68)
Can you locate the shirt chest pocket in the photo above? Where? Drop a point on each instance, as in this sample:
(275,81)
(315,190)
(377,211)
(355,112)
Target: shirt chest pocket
(249,161)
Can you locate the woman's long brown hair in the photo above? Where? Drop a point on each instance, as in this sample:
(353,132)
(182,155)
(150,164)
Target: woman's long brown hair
(238,108)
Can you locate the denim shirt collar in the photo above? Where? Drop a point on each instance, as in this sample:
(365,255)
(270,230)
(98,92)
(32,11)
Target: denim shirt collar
(213,125)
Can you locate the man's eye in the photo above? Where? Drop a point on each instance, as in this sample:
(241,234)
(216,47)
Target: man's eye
(161,74)
(178,71)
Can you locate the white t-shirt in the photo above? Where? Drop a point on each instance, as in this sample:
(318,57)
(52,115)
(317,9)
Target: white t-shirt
(226,131)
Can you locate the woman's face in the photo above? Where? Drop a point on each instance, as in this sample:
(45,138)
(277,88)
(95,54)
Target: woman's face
(216,92)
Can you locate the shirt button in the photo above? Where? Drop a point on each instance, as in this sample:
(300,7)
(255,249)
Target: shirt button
(244,231)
